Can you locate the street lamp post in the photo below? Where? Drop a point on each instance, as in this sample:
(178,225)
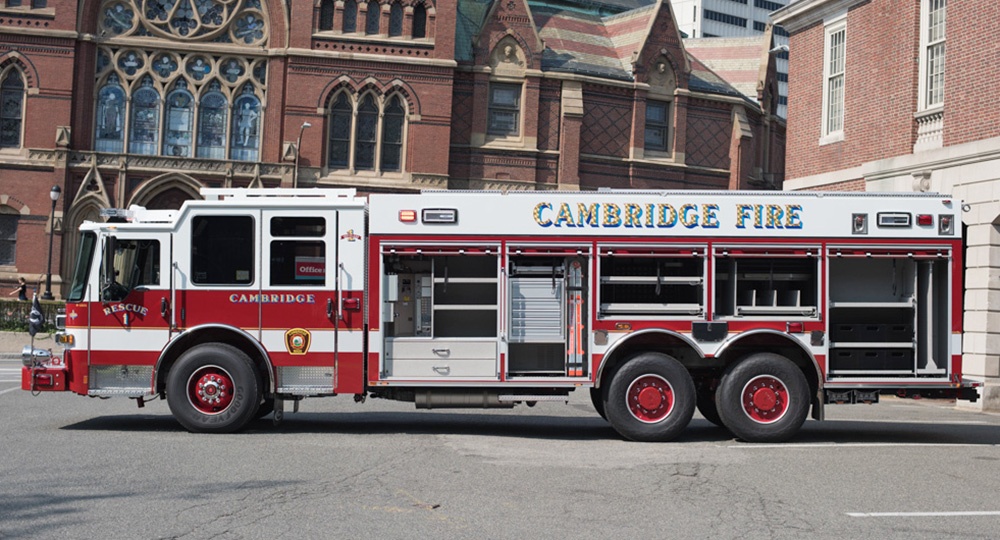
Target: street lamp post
(54,195)
(298,150)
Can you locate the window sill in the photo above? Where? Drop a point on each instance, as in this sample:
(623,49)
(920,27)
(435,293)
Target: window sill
(831,138)
(41,13)
(372,39)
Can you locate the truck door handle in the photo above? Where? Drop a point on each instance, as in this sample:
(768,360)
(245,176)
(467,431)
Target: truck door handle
(329,308)
(163,307)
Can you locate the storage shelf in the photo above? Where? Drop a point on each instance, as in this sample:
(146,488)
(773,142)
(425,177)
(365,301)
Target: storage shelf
(652,308)
(646,280)
(870,345)
(464,307)
(465,280)
(776,310)
(901,304)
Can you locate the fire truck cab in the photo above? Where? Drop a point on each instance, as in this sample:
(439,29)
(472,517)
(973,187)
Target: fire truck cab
(751,307)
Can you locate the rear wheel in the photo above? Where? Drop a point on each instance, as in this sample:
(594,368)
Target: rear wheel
(651,398)
(763,398)
(213,388)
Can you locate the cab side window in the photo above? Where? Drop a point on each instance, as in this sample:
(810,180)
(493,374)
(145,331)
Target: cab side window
(222,250)
(298,253)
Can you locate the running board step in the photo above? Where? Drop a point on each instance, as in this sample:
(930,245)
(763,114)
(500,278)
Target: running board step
(526,397)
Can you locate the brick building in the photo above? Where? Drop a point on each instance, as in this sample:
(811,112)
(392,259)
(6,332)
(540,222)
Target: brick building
(125,102)
(875,104)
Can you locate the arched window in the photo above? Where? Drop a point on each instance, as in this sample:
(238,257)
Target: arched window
(212,113)
(392,134)
(9,218)
(145,121)
(245,135)
(350,16)
(365,134)
(340,132)
(326,15)
(419,21)
(372,17)
(395,20)
(11,109)
(178,138)
(109,135)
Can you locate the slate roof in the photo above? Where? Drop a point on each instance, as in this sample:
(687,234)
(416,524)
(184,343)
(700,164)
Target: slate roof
(732,62)
(579,37)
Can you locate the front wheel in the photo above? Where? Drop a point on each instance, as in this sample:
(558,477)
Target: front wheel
(763,398)
(651,398)
(213,388)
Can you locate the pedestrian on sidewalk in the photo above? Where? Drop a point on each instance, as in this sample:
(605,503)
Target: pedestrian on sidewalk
(21,290)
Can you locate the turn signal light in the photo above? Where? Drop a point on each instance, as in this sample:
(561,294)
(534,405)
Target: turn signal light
(407,216)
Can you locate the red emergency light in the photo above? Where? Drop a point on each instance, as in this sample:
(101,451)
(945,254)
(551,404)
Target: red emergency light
(925,220)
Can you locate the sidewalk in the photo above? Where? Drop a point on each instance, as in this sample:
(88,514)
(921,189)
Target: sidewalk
(11,343)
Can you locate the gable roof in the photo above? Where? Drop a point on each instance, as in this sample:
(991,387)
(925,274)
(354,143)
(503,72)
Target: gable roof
(581,37)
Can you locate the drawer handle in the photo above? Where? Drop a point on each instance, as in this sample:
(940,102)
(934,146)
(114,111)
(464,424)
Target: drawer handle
(442,370)
(445,352)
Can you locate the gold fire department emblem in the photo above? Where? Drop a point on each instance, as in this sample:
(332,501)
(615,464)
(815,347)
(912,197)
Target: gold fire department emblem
(297,340)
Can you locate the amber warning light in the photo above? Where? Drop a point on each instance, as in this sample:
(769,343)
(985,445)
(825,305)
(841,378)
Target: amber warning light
(407,216)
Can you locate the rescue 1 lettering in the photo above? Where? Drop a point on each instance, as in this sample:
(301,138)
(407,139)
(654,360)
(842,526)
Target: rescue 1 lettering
(126,308)
(272,298)
(663,215)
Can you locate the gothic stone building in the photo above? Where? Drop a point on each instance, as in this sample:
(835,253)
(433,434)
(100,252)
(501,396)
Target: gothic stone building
(123,102)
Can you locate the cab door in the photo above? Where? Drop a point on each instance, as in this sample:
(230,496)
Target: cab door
(133,308)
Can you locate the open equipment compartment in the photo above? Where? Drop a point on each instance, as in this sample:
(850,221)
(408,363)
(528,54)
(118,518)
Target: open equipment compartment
(889,313)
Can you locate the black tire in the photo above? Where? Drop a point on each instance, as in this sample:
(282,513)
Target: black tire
(651,398)
(213,388)
(763,398)
(707,407)
(597,398)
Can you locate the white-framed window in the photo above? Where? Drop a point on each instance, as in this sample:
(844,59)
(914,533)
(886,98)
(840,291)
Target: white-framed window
(504,109)
(834,63)
(932,49)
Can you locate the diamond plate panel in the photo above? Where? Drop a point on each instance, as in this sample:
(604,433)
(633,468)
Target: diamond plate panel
(294,379)
(121,379)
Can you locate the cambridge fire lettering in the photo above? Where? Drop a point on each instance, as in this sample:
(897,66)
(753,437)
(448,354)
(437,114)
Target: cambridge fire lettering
(663,215)
(273,298)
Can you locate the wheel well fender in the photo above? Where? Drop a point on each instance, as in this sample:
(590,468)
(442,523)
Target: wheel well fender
(677,345)
(213,333)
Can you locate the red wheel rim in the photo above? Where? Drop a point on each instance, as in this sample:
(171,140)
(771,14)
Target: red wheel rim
(650,398)
(210,389)
(765,399)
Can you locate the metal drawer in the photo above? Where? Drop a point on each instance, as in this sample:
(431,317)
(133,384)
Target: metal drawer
(451,368)
(440,349)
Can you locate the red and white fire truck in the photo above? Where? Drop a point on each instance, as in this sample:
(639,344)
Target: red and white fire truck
(752,307)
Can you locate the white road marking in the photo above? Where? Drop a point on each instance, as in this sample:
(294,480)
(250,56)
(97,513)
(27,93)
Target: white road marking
(888,421)
(2,392)
(849,445)
(921,514)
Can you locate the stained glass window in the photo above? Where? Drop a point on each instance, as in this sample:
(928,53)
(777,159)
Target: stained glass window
(395,19)
(364,140)
(392,135)
(340,132)
(326,15)
(144,124)
(109,135)
(419,21)
(350,16)
(245,134)
(11,109)
(372,17)
(212,113)
(179,122)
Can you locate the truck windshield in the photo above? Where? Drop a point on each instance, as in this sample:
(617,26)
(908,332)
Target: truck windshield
(82,270)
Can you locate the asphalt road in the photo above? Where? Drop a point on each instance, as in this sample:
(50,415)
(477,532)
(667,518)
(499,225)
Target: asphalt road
(76,467)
